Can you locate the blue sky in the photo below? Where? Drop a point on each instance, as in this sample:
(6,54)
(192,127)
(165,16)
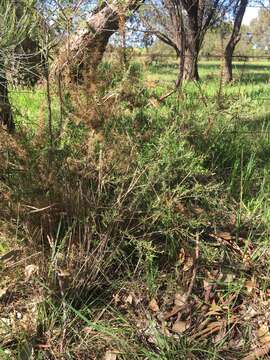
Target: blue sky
(250,14)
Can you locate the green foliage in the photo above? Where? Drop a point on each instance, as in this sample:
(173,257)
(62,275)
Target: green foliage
(113,209)
(15,22)
(259,28)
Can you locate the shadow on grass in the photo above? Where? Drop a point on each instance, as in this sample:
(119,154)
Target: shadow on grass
(245,73)
(259,124)
(254,78)
(237,66)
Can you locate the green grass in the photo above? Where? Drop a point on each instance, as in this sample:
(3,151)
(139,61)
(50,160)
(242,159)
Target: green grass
(127,199)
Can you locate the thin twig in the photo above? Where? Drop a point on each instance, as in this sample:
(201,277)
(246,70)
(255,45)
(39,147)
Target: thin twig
(195,267)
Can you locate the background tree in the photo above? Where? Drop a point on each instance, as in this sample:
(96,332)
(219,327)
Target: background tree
(166,21)
(201,16)
(182,24)
(260,30)
(163,19)
(239,9)
(212,44)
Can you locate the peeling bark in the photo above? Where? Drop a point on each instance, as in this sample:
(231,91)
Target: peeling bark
(84,51)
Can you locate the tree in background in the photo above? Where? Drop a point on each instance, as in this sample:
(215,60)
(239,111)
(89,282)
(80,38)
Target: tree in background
(201,16)
(182,24)
(260,30)
(212,44)
(239,8)
(166,21)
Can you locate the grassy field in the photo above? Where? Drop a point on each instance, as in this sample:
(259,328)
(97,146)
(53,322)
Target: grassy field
(144,232)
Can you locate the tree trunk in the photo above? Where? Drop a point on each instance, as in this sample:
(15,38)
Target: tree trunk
(6,117)
(193,44)
(191,72)
(234,39)
(228,72)
(83,52)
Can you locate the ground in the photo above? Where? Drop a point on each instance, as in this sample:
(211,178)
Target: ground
(144,232)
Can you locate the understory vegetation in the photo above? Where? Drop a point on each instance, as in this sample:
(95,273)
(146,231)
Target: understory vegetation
(133,228)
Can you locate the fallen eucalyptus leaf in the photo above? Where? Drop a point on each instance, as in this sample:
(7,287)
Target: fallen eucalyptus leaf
(111,355)
(153,305)
(30,271)
(180,327)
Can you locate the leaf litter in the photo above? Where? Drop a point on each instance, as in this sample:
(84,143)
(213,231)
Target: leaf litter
(201,309)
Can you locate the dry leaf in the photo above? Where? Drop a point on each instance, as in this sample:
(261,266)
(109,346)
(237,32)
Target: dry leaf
(3,292)
(116,298)
(197,210)
(250,313)
(236,343)
(263,334)
(220,336)
(63,273)
(224,235)
(212,328)
(180,208)
(154,102)
(129,299)
(250,285)
(180,302)
(233,220)
(153,305)
(88,330)
(30,271)
(181,256)
(180,299)
(111,355)
(5,324)
(247,261)
(229,278)
(180,327)
(188,263)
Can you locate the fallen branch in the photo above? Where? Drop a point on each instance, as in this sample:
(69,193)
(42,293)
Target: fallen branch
(162,98)
(197,252)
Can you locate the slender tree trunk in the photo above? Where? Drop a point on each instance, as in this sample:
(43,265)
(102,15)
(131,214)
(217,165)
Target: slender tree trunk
(181,37)
(234,39)
(6,117)
(228,71)
(193,46)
